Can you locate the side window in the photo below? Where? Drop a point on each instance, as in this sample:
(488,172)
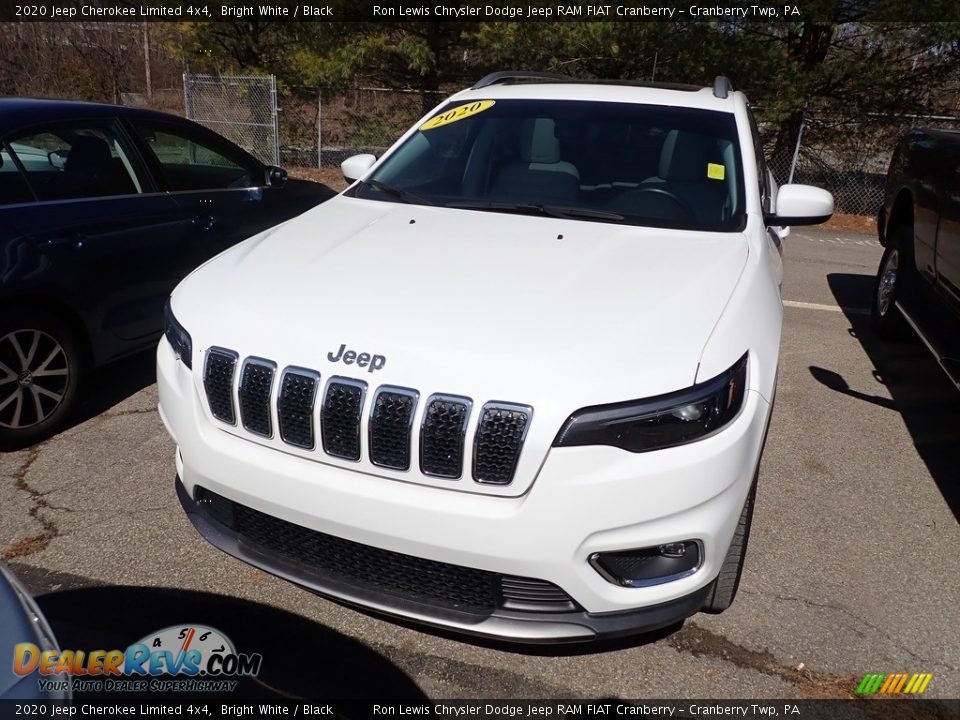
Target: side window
(81,160)
(191,162)
(13,187)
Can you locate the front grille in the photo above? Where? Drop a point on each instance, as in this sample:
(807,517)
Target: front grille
(256,384)
(327,559)
(218,382)
(340,418)
(520,593)
(391,418)
(369,568)
(441,435)
(499,440)
(298,391)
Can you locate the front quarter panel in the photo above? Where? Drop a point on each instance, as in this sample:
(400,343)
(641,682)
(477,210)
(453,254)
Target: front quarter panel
(751,321)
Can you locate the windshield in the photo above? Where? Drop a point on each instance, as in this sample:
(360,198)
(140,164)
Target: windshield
(650,165)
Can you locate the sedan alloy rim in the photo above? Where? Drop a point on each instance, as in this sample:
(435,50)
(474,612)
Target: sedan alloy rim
(888,281)
(34,374)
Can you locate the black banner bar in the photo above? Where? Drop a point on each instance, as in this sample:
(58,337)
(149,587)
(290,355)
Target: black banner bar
(393,11)
(204,707)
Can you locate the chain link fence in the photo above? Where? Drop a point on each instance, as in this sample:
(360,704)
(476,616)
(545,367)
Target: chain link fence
(320,128)
(241,108)
(313,128)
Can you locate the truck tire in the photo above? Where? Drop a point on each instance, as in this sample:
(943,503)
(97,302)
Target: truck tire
(41,368)
(724,588)
(893,275)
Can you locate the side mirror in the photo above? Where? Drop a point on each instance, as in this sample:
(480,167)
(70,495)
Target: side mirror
(276,176)
(58,159)
(355,167)
(801,205)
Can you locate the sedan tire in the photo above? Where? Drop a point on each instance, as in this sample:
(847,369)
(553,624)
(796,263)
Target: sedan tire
(41,368)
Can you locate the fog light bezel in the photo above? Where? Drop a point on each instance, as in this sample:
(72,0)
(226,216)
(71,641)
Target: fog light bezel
(595,562)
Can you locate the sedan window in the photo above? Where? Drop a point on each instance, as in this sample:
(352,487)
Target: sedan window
(69,161)
(190,162)
(13,188)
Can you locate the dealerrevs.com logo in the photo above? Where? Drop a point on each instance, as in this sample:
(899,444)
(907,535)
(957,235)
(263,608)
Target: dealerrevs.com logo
(187,658)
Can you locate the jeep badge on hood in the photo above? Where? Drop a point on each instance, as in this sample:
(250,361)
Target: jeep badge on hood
(349,357)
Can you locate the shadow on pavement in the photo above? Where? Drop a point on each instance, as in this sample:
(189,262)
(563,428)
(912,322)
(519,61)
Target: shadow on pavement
(928,403)
(301,659)
(114,383)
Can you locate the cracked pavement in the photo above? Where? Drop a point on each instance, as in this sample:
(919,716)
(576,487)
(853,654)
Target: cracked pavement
(852,565)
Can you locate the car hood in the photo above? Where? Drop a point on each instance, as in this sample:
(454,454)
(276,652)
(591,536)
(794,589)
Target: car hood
(478,302)
(552,313)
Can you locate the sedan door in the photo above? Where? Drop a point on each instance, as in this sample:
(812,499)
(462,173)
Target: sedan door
(96,235)
(219,186)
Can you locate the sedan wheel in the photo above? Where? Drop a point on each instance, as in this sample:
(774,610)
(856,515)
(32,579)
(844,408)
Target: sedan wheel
(40,371)
(35,377)
(888,282)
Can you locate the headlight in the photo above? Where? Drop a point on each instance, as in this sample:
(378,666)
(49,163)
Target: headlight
(177,336)
(660,422)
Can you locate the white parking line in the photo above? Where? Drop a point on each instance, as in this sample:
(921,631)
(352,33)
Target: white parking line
(828,308)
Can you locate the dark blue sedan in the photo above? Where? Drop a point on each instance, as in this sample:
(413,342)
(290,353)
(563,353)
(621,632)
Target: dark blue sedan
(103,210)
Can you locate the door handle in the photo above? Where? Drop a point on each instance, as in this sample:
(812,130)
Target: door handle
(205,222)
(72,242)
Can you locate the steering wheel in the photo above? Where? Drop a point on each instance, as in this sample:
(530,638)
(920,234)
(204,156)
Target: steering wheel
(679,201)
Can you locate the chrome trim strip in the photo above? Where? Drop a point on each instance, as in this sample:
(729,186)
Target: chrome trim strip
(396,390)
(313,375)
(224,352)
(929,345)
(442,397)
(594,561)
(264,363)
(498,405)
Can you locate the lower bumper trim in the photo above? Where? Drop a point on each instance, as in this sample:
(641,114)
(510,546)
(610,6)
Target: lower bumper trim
(501,624)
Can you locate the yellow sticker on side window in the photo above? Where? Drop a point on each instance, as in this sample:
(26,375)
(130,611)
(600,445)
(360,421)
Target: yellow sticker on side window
(458,113)
(716,171)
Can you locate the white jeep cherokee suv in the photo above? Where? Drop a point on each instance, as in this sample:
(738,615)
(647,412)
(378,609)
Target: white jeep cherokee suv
(515,380)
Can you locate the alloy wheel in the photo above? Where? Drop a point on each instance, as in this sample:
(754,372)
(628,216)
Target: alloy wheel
(888,282)
(34,375)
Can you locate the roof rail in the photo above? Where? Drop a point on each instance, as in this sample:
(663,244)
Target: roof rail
(722,86)
(509,75)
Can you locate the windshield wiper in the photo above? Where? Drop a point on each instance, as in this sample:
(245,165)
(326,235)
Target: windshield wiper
(404,195)
(556,211)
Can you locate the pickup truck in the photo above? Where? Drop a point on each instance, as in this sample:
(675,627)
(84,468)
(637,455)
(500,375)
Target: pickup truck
(918,281)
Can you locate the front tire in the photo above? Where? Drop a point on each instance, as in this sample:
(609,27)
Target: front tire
(41,368)
(723,591)
(893,275)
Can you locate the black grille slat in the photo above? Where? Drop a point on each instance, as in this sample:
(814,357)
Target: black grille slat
(442,434)
(391,417)
(295,400)
(534,595)
(256,385)
(218,373)
(340,418)
(425,581)
(498,442)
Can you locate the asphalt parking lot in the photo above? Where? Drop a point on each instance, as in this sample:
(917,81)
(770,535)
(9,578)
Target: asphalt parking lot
(852,568)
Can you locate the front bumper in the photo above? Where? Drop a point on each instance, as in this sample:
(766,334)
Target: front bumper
(584,500)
